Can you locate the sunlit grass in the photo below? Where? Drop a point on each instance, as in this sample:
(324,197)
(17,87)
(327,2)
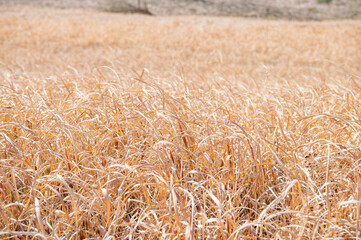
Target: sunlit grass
(178,128)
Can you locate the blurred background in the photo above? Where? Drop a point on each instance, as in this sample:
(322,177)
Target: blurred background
(271,9)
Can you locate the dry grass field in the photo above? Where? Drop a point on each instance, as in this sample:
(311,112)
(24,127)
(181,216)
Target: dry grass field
(138,127)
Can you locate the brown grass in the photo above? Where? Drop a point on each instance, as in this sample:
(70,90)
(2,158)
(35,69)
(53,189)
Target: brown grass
(127,126)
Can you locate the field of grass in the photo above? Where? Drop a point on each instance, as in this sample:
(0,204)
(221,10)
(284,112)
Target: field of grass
(139,127)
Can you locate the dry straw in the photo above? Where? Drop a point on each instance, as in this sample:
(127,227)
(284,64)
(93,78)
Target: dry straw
(237,129)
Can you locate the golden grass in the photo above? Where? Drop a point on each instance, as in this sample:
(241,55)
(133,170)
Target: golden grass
(140,127)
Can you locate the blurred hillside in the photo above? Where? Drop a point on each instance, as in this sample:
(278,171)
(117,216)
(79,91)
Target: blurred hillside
(286,9)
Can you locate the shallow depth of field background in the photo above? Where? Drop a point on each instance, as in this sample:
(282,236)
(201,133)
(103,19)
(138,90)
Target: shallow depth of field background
(178,127)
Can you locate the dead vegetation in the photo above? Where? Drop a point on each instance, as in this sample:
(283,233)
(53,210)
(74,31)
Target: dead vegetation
(178,127)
